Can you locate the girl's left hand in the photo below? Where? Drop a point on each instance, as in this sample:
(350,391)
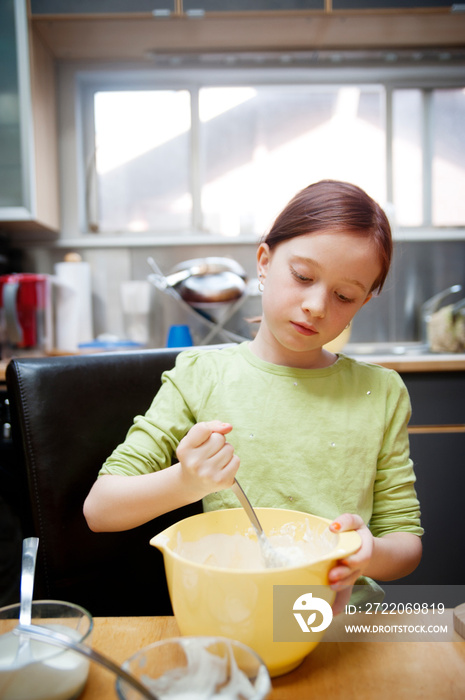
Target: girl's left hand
(343,576)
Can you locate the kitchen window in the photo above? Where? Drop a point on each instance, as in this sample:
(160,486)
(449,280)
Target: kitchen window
(141,161)
(220,153)
(428,148)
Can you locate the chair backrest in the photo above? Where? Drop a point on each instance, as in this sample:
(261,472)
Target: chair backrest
(68,414)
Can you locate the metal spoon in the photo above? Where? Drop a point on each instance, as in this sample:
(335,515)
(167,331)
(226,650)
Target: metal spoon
(247,506)
(271,556)
(42,634)
(28,566)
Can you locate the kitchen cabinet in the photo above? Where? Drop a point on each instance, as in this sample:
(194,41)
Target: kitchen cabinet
(108,7)
(28,135)
(252,5)
(238,25)
(10,132)
(437,441)
(388,4)
(286,5)
(75,7)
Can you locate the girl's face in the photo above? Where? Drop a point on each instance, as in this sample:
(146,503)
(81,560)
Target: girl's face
(314,285)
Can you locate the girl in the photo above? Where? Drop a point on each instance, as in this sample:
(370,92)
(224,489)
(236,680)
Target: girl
(306,429)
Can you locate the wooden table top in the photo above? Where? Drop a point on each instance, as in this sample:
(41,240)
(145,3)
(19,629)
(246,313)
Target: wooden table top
(334,670)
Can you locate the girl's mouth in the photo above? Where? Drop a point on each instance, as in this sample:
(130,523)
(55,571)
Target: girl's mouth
(304,329)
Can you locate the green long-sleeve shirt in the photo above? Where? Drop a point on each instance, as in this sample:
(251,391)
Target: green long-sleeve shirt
(323,441)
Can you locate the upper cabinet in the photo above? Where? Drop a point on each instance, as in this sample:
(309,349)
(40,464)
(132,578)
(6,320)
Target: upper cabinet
(389,4)
(286,5)
(11,180)
(56,7)
(107,7)
(125,30)
(28,136)
(191,6)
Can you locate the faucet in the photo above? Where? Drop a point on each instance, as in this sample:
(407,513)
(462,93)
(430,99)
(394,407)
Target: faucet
(432,305)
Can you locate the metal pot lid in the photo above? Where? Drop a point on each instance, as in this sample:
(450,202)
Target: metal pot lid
(207,266)
(213,288)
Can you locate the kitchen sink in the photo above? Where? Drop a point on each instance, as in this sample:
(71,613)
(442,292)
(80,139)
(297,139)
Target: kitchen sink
(387,348)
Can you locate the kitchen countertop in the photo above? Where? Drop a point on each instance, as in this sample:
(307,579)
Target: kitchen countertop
(423,362)
(363,669)
(367,668)
(408,362)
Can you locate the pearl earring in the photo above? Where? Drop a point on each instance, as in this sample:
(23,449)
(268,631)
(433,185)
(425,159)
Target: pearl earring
(260,284)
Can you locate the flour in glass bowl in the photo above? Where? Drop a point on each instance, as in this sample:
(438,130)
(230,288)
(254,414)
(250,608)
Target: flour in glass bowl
(243,551)
(208,676)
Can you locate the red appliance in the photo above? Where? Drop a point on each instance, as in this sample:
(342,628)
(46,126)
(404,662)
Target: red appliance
(25,314)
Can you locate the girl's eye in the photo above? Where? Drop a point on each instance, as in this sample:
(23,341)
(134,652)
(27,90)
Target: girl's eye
(300,277)
(343,298)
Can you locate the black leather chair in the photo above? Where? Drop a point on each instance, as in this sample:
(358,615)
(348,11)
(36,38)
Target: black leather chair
(67,414)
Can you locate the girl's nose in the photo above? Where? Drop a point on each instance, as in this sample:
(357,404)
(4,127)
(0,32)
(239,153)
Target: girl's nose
(315,301)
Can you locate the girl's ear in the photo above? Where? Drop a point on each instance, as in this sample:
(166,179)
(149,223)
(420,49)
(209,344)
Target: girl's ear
(263,259)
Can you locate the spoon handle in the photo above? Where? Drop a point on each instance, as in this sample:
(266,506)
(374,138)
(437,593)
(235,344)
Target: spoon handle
(62,640)
(30,545)
(247,506)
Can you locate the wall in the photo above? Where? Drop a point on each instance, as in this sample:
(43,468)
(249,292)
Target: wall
(420,269)
(111,266)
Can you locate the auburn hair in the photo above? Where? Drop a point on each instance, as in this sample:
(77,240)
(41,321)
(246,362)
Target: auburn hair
(338,207)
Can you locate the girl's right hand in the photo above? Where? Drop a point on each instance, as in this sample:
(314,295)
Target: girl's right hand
(207,460)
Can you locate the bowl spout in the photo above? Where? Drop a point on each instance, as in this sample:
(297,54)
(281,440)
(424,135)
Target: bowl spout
(160,541)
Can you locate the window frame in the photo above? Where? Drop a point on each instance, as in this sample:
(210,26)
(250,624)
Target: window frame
(78,83)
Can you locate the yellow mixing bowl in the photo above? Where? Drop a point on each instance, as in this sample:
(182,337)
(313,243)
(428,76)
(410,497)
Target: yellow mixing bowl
(237,603)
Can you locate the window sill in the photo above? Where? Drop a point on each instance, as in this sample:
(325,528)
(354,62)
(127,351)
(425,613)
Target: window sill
(93,240)
(160,240)
(441,234)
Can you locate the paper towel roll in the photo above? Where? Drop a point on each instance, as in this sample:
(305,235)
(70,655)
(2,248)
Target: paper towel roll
(73,314)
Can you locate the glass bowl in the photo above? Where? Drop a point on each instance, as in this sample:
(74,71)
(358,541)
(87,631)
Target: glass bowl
(197,668)
(53,674)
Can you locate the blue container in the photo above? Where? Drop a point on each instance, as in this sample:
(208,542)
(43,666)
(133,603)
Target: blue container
(179,337)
